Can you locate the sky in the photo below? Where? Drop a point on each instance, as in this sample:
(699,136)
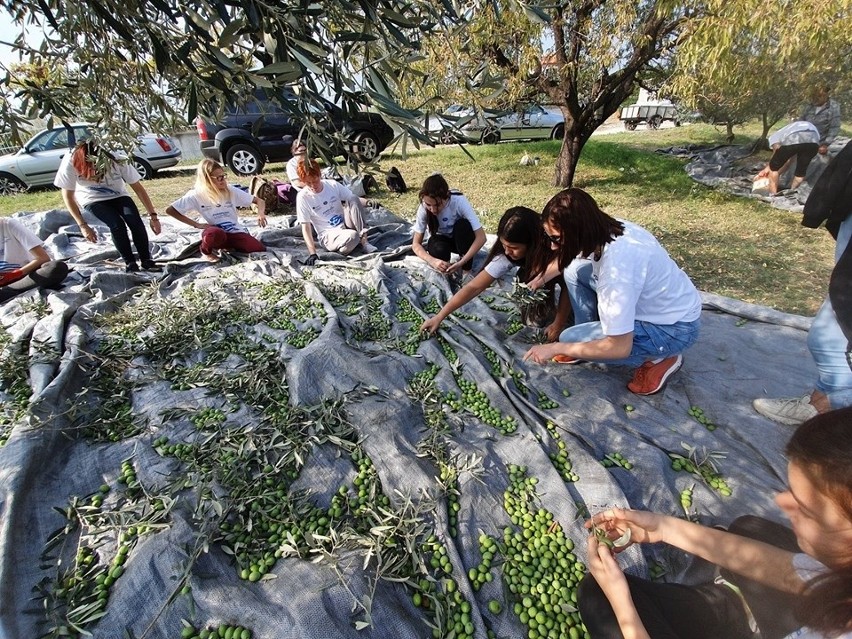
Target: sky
(8,32)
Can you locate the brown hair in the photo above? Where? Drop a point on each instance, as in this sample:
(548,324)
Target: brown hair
(436,187)
(822,448)
(521,225)
(308,168)
(583,226)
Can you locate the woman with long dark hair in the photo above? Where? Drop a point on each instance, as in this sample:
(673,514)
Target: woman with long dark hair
(520,243)
(633,305)
(768,571)
(452,224)
(91,178)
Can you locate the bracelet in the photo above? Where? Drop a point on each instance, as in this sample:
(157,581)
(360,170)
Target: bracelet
(154,214)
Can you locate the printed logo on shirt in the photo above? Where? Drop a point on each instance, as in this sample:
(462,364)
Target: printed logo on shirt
(228,227)
(335,220)
(105,190)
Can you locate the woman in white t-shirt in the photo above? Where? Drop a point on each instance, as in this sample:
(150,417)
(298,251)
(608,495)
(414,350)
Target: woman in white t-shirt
(24,262)
(633,305)
(93,179)
(762,581)
(217,203)
(521,243)
(333,211)
(452,224)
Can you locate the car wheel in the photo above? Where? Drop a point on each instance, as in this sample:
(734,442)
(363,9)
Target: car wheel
(630,126)
(490,136)
(558,132)
(10,185)
(366,147)
(447,136)
(146,171)
(244,160)
(655,122)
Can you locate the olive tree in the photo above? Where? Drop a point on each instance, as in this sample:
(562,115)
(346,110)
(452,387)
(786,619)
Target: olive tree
(761,61)
(149,64)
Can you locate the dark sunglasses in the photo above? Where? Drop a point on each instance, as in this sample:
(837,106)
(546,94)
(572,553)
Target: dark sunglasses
(555,239)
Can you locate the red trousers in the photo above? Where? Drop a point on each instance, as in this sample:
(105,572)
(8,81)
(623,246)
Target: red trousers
(213,238)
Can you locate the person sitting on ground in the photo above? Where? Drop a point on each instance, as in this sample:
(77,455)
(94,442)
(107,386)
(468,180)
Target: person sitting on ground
(333,211)
(217,202)
(633,305)
(299,151)
(830,335)
(453,227)
(824,114)
(24,262)
(91,177)
(797,140)
(520,243)
(787,583)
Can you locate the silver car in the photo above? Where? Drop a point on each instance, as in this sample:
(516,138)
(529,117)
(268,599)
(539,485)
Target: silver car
(37,162)
(533,122)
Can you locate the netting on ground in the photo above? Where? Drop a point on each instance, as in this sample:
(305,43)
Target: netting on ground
(276,450)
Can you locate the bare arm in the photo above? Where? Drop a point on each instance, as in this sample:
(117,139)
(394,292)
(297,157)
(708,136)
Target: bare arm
(308,235)
(143,196)
(610,347)
(478,243)
(40,256)
(472,289)
(74,210)
(563,310)
(180,217)
(261,211)
(420,251)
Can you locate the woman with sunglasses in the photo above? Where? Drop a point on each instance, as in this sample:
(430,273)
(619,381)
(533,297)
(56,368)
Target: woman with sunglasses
(520,243)
(217,203)
(452,224)
(633,305)
(773,580)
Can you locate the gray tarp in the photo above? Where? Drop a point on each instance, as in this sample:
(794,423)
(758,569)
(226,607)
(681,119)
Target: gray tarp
(732,169)
(280,381)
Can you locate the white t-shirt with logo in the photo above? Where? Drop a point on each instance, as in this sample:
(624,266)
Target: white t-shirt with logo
(807,568)
(16,241)
(87,191)
(456,208)
(324,210)
(221,214)
(638,280)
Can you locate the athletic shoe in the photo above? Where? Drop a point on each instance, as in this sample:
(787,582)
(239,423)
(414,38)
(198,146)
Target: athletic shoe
(133,267)
(369,248)
(151,266)
(789,411)
(565,359)
(651,378)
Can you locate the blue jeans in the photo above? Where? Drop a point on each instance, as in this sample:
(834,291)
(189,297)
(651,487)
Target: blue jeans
(829,347)
(650,341)
(119,214)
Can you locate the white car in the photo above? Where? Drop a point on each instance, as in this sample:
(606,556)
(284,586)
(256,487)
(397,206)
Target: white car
(533,122)
(37,162)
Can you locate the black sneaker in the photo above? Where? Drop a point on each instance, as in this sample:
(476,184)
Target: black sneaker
(151,266)
(133,267)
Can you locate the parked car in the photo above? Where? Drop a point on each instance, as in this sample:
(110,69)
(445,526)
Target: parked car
(261,131)
(533,122)
(37,162)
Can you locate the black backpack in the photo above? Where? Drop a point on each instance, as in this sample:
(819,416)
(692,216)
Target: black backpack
(395,182)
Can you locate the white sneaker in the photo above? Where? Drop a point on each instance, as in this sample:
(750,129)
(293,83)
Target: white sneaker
(369,248)
(789,411)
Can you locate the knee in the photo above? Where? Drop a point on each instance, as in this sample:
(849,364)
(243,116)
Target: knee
(578,272)
(55,269)
(592,602)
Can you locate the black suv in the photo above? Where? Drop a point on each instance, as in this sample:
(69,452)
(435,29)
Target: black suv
(260,131)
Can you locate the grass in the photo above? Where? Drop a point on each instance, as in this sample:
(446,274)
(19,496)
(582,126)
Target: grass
(732,246)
